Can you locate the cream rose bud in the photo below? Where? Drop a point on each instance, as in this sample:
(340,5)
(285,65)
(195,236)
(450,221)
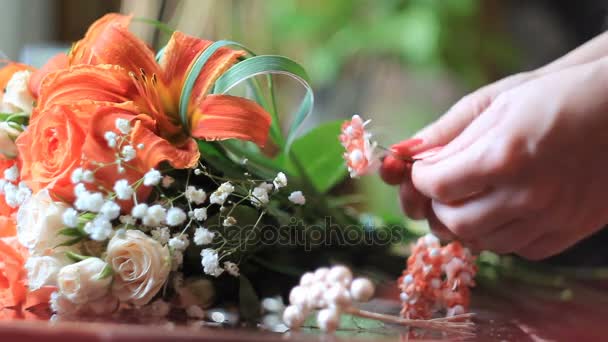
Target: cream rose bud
(39,220)
(43,270)
(84,281)
(141,266)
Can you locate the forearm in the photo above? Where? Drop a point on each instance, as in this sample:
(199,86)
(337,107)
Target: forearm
(591,51)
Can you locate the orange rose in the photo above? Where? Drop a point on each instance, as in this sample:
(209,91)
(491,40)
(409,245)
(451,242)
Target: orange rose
(50,149)
(15,299)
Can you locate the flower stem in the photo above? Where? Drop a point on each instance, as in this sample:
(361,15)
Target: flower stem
(455,324)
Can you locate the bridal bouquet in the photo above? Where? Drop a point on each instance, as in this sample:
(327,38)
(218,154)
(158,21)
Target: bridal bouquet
(134,187)
(131,180)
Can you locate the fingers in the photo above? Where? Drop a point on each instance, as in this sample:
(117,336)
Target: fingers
(457,118)
(511,237)
(412,202)
(479,215)
(552,243)
(454,178)
(393,171)
(437,227)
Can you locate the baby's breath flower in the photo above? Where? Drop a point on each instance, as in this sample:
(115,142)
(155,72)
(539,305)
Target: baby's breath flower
(127,219)
(79,189)
(128,153)
(161,235)
(200,214)
(179,242)
(260,196)
(110,138)
(297,197)
(210,262)
(110,210)
(220,195)
(152,177)
(202,236)
(229,221)
(76,176)
(100,229)
(123,125)
(88,176)
(140,146)
(155,215)
(11,174)
(139,211)
(175,216)
(123,190)
(196,196)
(70,217)
(280,180)
(89,201)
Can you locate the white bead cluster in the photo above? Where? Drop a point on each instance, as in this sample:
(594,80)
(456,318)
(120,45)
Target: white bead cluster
(329,290)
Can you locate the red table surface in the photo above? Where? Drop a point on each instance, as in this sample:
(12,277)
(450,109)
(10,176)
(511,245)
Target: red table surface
(507,312)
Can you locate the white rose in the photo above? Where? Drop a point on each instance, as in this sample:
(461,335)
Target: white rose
(39,220)
(8,134)
(84,281)
(43,270)
(17,96)
(141,266)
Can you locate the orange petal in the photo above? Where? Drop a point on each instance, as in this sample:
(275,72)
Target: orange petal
(59,61)
(12,255)
(108,41)
(39,296)
(7,72)
(177,60)
(179,53)
(221,60)
(222,117)
(7,227)
(85,82)
(157,149)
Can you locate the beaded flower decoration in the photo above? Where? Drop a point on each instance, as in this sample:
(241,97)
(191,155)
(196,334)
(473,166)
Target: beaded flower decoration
(437,279)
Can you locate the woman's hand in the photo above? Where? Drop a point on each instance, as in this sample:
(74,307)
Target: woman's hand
(441,132)
(529,173)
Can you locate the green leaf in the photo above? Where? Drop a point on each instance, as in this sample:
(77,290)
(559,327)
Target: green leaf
(193,73)
(249,303)
(76,257)
(20,118)
(106,272)
(266,65)
(70,242)
(324,169)
(71,232)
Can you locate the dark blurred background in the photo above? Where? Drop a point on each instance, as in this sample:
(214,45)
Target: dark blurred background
(400,62)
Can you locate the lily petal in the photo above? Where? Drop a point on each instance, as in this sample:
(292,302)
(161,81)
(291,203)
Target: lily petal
(156,150)
(58,62)
(221,117)
(105,83)
(178,55)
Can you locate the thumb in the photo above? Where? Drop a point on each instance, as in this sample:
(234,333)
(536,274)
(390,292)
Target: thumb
(452,123)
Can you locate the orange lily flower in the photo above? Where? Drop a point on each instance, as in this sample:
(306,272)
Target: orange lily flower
(112,72)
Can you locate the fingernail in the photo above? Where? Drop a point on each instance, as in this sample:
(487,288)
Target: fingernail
(428,155)
(405,147)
